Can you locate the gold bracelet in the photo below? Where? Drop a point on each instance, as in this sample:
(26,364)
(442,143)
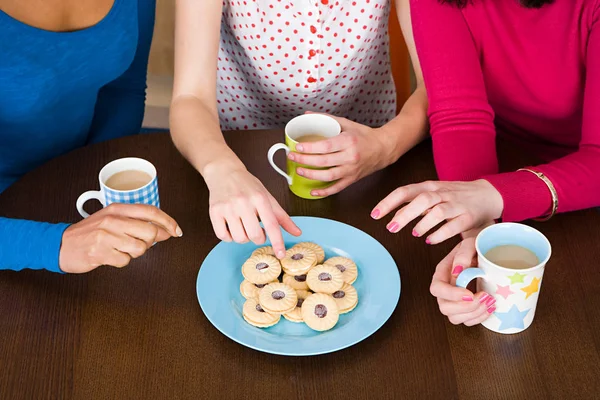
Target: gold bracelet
(553,192)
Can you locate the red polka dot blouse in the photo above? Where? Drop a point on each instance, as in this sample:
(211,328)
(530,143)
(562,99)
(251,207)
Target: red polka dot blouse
(279,58)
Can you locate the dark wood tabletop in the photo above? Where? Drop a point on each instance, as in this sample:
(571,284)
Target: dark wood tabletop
(139,333)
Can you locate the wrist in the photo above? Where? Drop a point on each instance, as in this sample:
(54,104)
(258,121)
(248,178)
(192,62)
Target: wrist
(388,148)
(493,199)
(215,169)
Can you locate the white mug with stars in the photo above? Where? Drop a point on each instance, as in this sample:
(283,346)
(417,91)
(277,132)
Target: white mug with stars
(516,290)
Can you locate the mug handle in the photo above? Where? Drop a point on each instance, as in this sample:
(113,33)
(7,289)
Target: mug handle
(274,149)
(90,195)
(468,275)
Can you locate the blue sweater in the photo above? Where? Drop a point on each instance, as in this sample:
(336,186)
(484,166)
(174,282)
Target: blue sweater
(60,91)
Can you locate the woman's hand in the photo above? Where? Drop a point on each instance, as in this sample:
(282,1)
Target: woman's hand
(460,305)
(113,236)
(237,201)
(357,152)
(461,205)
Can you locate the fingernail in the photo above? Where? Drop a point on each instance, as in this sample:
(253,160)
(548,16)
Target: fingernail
(280,254)
(483,298)
(300,172)
(393,227)
(467,298)
(291,155)
(427,241)
(490,301)
(457,270)
(375,213)
(491,310)
(415,233)
(178,231)
(314,194)
(299,147)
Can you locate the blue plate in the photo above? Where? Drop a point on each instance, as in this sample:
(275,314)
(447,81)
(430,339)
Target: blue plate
(378,287)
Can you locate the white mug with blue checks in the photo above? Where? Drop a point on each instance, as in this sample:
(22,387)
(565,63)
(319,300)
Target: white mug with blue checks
(147,194)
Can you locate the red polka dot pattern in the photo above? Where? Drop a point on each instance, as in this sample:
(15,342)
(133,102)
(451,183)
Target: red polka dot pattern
(279,58)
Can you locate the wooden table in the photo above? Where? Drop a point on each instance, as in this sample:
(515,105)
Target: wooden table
(139,333)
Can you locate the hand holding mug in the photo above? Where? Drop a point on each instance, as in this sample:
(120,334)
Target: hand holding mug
(355,153)
(113,236)
(128,225)
(459,304)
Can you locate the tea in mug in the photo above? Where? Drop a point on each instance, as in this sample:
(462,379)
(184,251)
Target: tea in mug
(128,180)
(512,256)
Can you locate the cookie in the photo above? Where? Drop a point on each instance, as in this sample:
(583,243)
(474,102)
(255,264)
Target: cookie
(324,279)
(346,266)
(277,298)
(261,269)
(250,290)
(255,315)
(298,282)
(318,250)
(298,260)
(346,298)
(296,314)
(320,312)
(268,250)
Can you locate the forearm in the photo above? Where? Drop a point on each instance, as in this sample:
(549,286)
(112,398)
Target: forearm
(197,135)
(407,130)
(30,245)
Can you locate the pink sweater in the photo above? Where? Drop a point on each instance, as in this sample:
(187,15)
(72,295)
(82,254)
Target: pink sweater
(530,74)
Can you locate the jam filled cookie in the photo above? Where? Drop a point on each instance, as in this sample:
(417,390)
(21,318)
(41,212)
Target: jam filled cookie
(250,290)
(261,269)
(320,312)
(255,315)
(318,250)
(324,279)
(346,266)
(346,298)
(277,298)
(298,260)
(298,282)
(268,250)
(296,314)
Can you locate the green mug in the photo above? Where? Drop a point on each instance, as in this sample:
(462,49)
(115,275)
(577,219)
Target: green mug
(303,125)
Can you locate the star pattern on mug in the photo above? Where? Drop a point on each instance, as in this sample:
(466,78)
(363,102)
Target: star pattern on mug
(504,291)
(532,288)
(517,278)
(514,318)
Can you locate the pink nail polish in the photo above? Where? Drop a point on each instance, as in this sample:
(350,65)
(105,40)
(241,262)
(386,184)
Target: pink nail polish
(427,241)
(415,233)
(375,213)
(299,147)
(457,270)
(300,172)
(393,227)
(483,298)
(490,301)
(467,298)
(291,156)
(491,310)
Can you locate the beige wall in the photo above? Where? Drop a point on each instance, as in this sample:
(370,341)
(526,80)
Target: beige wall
(161,54)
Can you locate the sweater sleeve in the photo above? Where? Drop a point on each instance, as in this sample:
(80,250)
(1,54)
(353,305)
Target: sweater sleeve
(30,244)
(575,177)
(461,119)
(120,105)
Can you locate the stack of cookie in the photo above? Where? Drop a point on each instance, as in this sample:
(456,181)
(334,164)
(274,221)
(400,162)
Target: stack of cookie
(309,290)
